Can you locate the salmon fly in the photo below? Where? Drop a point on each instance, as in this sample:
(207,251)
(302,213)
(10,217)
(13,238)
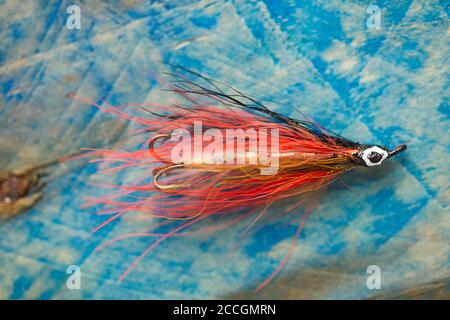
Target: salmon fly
(219,152)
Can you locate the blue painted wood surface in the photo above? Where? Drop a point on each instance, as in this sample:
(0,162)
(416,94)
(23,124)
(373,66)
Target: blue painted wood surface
(383,86)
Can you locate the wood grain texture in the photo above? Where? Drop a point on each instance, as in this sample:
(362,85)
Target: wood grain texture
(387,87)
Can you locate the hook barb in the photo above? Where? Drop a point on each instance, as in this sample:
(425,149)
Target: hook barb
(163,170)
(151,147)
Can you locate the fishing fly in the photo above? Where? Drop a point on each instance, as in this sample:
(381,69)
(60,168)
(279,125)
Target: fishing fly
(221,152)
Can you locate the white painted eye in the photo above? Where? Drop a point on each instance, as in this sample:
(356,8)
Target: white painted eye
(374,156)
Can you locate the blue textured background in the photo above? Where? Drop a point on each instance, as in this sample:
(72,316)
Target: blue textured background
(386,86)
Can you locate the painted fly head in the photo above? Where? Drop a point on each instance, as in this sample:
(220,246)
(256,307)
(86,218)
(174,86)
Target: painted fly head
(372,155)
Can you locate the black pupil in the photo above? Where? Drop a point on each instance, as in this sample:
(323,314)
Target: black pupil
(375,157)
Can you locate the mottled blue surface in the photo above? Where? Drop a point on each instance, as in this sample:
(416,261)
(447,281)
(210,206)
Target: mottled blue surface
(384,86)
